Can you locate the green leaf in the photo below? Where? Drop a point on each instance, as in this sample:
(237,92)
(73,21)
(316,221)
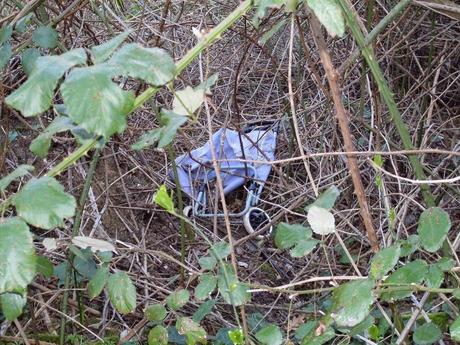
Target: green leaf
(20,171)
(158,335)
(44,266)
(445,264)
(163,199)
(351,302)
(206,286)
(232,290)
(326,199)
(303,247)
(322,221)
(45,37)
(17,255)
(35,95)
(41,144)
(413,272)
(122,292)
(207,262)
(192,331)
(428,333)
(28,59)
(163,135)
(43,203)
(12,305)
(103,51)
(98,282)
(434,277)
(221,250)
(236,336)
(433,226)
(5,54)
(304,329)
(178,299)
(363,326)
(153,65)
(5,33)
(313,339)
(455,330)
(188,100)
(269,34)
(204,309)
(155,312)
(263,5)
(21,25)
(270,335)
(384,261)
(288,235)
(106,105)
(410,245)
(330,15)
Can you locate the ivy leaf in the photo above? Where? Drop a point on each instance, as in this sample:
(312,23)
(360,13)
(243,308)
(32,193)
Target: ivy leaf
(433,226)
(20,171)
(188,100)
(5,53)
(178,299)
(207,262)
(105,105)
(44,266)
(413,272)
(43,203)
(41,144)
(155,312)
(103,51)
(326,199)
(12,305)
(158,335)
(270,335)
(45,37)
(221,250)
(384,261)
(303,247)
(17,255)
(232,290)
(351,302)
(191,330)
(163,199)
(5,33)
(330,15)
(428,333)
(455,330)
(28,59)
(122,292)
(206,286)
(321,220)
(163,135)
(288,235)
(35,95)
(153,65)
(98,282)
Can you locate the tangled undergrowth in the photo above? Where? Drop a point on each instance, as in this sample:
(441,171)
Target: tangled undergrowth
(365,245)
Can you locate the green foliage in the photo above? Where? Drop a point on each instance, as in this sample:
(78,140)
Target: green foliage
(44,266)
(204,309)
(428,333)
(206,286)
(122,292)
(384,261)
(98,282)
(45,37)
(191,330)
(155,312)
(35,95)
(103,51)
(297,236)
(163,199)
(351,302)
(20,171)
(5,53)
(232,290)
(326,199)
(12,304)
(270,335)
(433,226)
(5,33)
(236,336)
(264,5)
(41,144)
(318,338)
(322,221)
(178,299)
(330,15)
(207,262)
(221,250)
(28,59)
(158,335)
(43,203)
(17,255)
(455,330)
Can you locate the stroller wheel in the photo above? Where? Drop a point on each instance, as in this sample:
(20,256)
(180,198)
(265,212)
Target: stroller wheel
(255,219)
(187,211)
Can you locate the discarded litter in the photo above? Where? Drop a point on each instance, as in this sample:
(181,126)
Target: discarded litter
(256,144)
